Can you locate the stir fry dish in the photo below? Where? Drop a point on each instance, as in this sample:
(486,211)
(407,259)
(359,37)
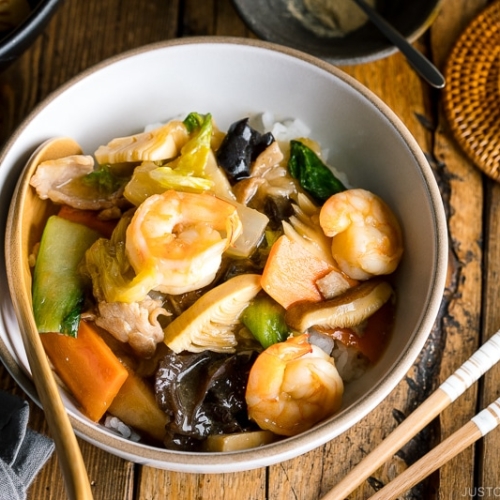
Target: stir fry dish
(209,290)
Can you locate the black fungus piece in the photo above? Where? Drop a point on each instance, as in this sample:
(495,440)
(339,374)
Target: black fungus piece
(262,143)
(203,394)
(277,210)
(240,147)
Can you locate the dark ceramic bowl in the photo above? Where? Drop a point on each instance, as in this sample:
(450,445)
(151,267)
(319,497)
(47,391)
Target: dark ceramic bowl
(272,20)
(16,41)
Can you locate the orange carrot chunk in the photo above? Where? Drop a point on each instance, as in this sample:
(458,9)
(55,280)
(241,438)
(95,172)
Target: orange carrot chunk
(291,272)
(88,368)
(89,218)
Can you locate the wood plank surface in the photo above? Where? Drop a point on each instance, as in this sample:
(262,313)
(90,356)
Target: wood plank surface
(462,322)
(489,449)
(82,34)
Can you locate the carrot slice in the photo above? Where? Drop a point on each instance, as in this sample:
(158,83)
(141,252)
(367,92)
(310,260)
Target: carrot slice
(88,368)
(291,272)
(88,218)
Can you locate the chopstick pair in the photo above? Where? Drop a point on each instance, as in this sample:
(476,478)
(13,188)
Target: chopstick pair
(454,386)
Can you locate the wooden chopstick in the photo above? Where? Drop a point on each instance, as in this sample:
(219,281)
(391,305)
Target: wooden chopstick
(477,427)
(454,386)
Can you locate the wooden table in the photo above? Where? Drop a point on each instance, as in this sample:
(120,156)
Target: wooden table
(84,33)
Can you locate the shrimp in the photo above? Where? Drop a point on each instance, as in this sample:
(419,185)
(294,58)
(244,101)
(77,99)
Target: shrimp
(292,386)
(366,236)
(181,238)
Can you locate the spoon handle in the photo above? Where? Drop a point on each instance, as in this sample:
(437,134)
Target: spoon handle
(24,214)
(417,60)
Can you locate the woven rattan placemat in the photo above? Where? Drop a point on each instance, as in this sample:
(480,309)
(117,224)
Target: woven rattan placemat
(472,92)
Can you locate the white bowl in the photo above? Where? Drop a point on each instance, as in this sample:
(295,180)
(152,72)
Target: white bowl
(232,78)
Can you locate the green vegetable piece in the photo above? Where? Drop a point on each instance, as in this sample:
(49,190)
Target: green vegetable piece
(113,278)
(313,175)
(193,121)
(190,164)
(58,287)
(185,173)
(265,319)
(104,181)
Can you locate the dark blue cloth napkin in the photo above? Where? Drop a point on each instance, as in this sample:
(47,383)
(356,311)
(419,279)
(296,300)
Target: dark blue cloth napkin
(23,452)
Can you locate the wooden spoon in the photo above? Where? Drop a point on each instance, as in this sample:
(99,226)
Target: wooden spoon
(26,219)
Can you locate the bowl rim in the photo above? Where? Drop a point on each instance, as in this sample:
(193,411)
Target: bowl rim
(291,447)
(347,61)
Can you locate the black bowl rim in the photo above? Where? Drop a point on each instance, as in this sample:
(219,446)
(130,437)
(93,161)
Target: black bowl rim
(13,43)
(344,61)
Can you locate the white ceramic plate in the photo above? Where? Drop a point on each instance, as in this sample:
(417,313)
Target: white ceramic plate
(232,78)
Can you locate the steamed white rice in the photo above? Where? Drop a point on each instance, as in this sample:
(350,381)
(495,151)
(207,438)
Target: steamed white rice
(118,427)
(350,363)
